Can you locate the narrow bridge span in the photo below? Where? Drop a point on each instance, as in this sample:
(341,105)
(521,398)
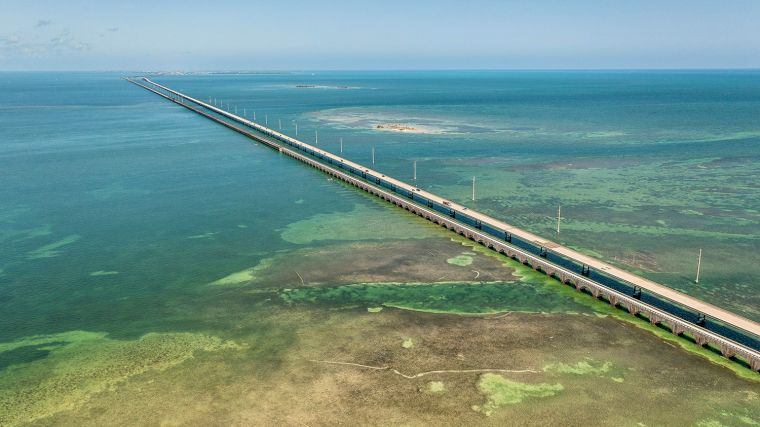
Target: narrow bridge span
(741,342)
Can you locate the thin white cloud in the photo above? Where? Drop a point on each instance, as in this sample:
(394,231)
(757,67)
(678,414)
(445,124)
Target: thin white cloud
(11,40)
(64,42)
(15,46)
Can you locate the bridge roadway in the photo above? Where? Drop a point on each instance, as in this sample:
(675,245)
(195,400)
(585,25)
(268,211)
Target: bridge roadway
(702,336)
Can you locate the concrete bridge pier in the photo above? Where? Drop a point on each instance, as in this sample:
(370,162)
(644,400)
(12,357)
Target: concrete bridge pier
(754,363)
(727,351)
(653,318)
(676,329)
(613,300)
(700,339)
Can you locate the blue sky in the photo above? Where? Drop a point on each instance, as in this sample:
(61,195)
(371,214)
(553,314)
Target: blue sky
(390,34)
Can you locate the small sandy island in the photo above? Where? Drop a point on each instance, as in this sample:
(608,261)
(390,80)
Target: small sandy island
(305,86)
(398,128)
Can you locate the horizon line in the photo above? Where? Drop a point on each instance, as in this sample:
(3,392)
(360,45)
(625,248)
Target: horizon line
(307,70)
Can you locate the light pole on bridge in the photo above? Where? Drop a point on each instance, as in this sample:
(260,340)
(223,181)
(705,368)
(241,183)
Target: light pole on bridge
(699,266)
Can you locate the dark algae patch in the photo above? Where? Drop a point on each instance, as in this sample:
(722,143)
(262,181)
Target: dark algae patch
(457,298)
(26,354)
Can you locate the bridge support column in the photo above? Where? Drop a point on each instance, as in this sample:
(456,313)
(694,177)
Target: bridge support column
(754,363)
(677,329)
(653,318)
(727,352)
(613,300)
(700,339)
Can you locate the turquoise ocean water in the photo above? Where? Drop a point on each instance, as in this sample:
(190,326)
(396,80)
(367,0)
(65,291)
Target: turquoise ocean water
(101,177)
(118,208)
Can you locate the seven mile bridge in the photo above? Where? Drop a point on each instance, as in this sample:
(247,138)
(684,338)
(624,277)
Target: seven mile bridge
(735,337)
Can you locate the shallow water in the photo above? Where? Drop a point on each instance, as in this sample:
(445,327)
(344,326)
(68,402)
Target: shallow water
(649,167)
(142,244)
